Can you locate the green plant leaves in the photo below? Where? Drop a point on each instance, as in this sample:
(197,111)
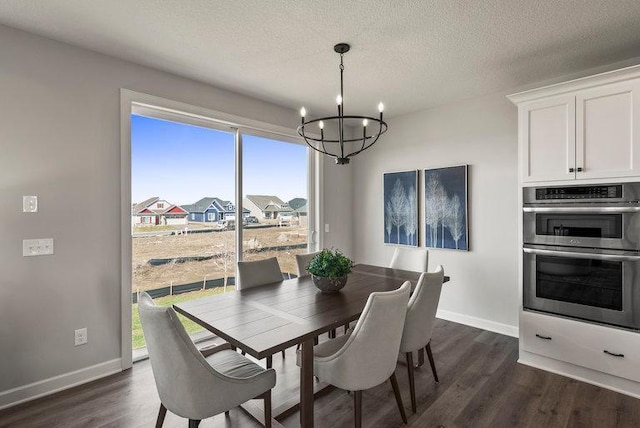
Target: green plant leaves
(330,263)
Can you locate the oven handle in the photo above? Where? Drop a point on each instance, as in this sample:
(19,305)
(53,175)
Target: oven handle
(576,255)
(582,210)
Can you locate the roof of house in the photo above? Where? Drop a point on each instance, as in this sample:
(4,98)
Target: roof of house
(139,207)
(143,208)
(303,209)
(205,203)
(268,203)
(297,203)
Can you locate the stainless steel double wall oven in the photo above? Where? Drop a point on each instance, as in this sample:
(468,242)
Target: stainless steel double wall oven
(582,252)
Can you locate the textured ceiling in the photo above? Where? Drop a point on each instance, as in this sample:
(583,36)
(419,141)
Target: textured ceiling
(411,54)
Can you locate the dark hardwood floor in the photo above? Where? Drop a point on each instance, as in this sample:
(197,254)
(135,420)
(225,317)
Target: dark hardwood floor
(481,385)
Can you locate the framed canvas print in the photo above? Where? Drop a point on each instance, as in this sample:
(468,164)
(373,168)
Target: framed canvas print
(445,207)
(400,196)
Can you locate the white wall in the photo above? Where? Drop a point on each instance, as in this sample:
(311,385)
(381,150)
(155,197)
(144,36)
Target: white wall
(60,140)
(483,134)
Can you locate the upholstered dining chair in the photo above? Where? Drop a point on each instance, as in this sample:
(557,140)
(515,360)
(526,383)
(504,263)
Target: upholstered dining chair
(367,355)
(258,273)
(302,261)
(413,259)
(198,385)
(418,326)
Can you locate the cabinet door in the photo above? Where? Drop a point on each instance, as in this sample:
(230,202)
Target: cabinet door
(547,139)
(607,134)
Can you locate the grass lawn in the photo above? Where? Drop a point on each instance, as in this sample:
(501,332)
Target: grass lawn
(190,326)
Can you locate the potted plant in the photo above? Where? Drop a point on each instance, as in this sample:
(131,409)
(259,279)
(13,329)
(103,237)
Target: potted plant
(329,270)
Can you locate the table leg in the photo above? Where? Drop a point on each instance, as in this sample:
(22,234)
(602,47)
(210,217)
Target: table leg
(306,385)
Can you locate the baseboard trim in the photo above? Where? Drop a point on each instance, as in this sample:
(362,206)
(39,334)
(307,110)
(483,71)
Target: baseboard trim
(496,327)
(21,394)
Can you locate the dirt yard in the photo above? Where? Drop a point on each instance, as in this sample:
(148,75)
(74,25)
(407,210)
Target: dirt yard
(221,245)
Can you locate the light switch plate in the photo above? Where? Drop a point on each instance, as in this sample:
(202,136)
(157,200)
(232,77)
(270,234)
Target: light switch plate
(29,204)
(37,247)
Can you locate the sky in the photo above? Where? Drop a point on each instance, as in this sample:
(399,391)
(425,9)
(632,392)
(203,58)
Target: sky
(184,163)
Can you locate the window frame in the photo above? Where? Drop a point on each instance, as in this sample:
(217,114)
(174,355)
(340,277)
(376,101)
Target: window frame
(132,102)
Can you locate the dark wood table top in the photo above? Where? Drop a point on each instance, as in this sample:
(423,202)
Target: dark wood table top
(265,320)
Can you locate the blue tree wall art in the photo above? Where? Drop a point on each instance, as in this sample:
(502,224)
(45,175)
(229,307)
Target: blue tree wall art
(401,208)
(445,206)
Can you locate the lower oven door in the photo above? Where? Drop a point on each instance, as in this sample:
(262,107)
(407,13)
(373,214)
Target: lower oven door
(595,285)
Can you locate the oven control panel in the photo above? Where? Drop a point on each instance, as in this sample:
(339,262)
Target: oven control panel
(581,192)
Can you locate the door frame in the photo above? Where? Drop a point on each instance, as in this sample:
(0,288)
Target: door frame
(163,108)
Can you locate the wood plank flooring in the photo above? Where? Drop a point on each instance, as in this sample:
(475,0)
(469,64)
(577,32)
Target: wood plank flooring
(481,385)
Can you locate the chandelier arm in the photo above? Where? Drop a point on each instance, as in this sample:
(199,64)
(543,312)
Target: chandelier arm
(324,152)
(366,147)
(382,125)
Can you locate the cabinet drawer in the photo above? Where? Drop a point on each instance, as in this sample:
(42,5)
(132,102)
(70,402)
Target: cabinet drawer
(605,349)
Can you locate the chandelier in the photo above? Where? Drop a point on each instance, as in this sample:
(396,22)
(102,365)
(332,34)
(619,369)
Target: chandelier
(337,146)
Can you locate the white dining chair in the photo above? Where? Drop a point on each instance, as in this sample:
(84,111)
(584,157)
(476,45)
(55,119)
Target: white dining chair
(256,274)
(413,259)
(197,385)
(302,261)
(367,356)
(418,326)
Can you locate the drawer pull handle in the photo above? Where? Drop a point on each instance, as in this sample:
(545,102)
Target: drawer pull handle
(613,354)
(546,337)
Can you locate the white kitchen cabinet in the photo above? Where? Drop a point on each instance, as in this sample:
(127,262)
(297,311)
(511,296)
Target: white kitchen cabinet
(607,134)
(548,137)
(585,129)
(605,349)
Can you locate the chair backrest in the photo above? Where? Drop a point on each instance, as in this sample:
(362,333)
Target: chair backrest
(370,354)
(421,311)
(414,259)
(179,369)
(302,260)
(257,273)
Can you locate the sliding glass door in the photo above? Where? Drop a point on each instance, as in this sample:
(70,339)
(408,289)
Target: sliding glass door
(182,187)
(275,200)
(188,215)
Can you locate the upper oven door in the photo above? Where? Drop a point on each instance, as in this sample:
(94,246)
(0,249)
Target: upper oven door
(615,226)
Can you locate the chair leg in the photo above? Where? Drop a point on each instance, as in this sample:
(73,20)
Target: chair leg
(283,354)
(269,361)
(396,392)
(226,414)
(357,408)
(433,365)
(267,409)
(194,423)
(316,340)
(346,328)
(161,414)
(332,334)
(412,380)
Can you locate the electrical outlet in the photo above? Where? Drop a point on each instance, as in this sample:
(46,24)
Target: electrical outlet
(37,247)
(81,336)
(29,204)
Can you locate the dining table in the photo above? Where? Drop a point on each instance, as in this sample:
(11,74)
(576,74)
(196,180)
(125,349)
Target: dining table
(262,321)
